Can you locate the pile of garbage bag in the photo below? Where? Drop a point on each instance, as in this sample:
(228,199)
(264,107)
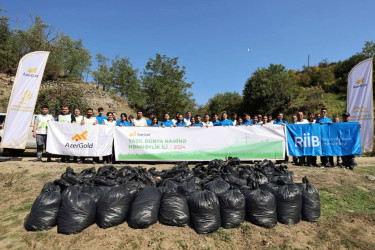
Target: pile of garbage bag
(221,194)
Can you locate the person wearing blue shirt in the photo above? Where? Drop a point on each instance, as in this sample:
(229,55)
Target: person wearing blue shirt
(166,122)
(149,121)
(280,119)
(325,120)
(255,121)
(198,121)
(215,120)
(248,120)
(123,121)
(154,122)
(101,116)
(348,161)
(225,121)
(180,121)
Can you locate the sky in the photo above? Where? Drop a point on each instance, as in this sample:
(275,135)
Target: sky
(221,43)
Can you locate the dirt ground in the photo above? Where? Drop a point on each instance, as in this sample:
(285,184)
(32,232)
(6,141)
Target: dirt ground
(21,182)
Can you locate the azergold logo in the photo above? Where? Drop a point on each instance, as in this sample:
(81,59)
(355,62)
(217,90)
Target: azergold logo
(30,70)
(78,137)
(360,80)
(359,110)
(133,133)
(25,96)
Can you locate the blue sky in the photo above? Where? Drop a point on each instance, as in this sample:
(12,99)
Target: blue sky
(210,37)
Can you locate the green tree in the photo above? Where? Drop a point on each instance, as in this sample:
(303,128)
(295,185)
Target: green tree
(228,101)
(125,81)
(103,76)
(269,90)
(369,49)
(165,87)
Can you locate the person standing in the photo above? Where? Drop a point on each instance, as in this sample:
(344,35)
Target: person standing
(206,121)
(187,118)
(77,116)
(198,121)
(149,121)
(115,116)
(155,122)
(224,120)
(234,118)
(140,121)
(280,119)
(90,119)
(123,121)
(247,120)
(176,118)
(301,160)
(255,121)
(111,123)
(180,122)
(100,117)
(269,119)
(311,160)
(215,120)
(166,122)
(66,117)
(348,161)
(40,132)
(325,120)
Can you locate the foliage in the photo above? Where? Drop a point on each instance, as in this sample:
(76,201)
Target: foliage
(369,49)
(228,101)
(269,90)
(165,87)
(56,97)
(103,75)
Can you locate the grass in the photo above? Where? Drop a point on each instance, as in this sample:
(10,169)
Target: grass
(366,170)
(222,235)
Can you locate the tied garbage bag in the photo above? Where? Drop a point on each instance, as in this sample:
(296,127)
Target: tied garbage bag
(204,212)
(113,207)
(310,202)
(289,204)
(174,209)
(217,186)
(232,208)
(94,191)
(261,208)
(45,209)
(190,186)
(77,211)
(145,208)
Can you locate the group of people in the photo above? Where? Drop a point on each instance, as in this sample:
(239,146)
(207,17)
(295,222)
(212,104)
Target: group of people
(112,119)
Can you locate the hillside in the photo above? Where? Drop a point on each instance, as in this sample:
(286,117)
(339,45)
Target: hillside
(95,96)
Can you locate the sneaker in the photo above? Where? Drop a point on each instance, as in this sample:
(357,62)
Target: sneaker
(79,162)
(105,162)
(38,159)
(49,160)
(351,167)
(94,162)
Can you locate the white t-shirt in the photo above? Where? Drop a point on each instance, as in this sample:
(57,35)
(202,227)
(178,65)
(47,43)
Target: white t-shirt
(209,124)
(304,121)
(78,119)
(140,123)
(65,118)
(90,121)
(234,122)
(108,123)
(42,121)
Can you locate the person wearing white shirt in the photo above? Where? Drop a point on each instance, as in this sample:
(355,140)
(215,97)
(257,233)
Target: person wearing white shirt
(140,121)
(111,123)
(89,119)
(206,121)
(176,118)
(66,117)
(301,159)
(77,116)
(187,118)
(40,132)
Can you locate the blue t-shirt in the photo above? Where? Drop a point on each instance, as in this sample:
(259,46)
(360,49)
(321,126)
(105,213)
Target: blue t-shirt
(197,124)
(180,124)
(123,123)
(149,121)
(156,125)
(249,122)
(258,123)
(101,118)
(280,122)
(324,120)
(217,123)
(226,122)
(167,123)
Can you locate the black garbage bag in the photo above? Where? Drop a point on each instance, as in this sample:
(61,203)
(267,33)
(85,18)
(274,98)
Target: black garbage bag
(310,202)
(190,186)
(77,211)
(145,208)
(234,181)
(95,191)
(174,209)
(170,184)
(145,177)
(104,181)
(232,208)
(72,177)
(261,208)
(88,173)
(289,204)
(133,187)
(113,207)
(43,214)
(204,210)
(63,184)
(108,171)
(217,186)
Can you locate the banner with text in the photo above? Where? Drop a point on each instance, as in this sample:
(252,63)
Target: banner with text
(199,143)
(23,98)
(336,139)
(360,101)
(79,140)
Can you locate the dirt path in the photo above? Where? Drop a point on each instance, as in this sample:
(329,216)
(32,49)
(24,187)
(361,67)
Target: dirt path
(21,182)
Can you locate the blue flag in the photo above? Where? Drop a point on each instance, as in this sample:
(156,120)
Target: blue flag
(336,139)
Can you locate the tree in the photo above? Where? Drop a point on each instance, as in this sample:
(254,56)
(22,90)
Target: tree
(269,90)
(228,101)
(103,75)
(165,87)
(125,81)
(369,49)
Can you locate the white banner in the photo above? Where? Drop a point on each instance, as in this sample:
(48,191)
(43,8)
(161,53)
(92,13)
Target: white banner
(360,101)
(79,140)
(199,143)
(23,98)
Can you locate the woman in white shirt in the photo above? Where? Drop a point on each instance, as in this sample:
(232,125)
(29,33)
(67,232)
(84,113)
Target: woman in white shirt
(112,123)
(206,121)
